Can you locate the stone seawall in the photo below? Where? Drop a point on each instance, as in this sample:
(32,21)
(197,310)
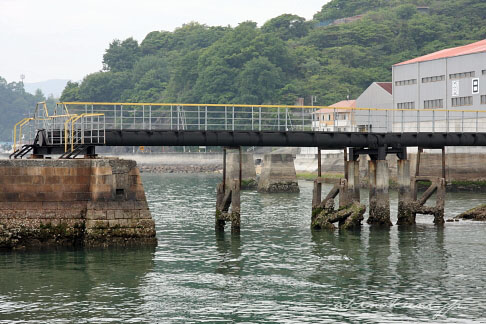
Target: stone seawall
(91,202)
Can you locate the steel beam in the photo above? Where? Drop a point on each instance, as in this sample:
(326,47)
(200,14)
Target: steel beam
(324,140)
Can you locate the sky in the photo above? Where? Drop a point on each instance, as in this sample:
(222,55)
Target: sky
(66,39)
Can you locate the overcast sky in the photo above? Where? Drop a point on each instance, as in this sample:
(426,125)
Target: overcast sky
(66,39)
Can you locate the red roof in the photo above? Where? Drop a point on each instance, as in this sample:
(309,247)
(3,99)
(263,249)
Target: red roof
(341,104)
(477,47)
(345,104)
(387,86)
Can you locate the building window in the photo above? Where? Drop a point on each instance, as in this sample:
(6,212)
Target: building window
(433,79)
(433,104)
(462,101)
(484,72)
(462,75)
(406,105)
(406,82)
(483,99)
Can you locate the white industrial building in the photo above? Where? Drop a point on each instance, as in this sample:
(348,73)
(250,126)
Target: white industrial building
(452,80)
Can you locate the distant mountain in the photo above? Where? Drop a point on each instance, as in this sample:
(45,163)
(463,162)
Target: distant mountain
(48,87)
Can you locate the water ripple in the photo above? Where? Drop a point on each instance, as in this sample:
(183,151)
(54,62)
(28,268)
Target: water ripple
(275,270)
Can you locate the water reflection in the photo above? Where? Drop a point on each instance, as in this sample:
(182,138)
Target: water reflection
(61,284)
(229,253)
(378,257)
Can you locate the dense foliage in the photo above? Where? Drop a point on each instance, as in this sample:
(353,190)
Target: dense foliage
(16,104)
(286,59)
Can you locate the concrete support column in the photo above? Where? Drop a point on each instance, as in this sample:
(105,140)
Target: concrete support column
(235,207)
(219,224)
(406,215)
(352,168)
(248,173)
(440,202)
(228,195)
(379,196)
(278,174)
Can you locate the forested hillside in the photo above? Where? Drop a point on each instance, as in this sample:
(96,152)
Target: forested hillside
(285,59)
(15,104)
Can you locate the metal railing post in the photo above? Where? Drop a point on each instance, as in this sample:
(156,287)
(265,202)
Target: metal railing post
(286,116)
(447,121)
(278,119)
(121,116)
(303,123)
(477,120)
(334,121)
(418,121)
(369,120)
(206,119)
(433,121)
(252,118)
(402,121)
(260,119)
(462,126)
(233,119)
(198,118)
(225,118)
(150,117)
(386,121)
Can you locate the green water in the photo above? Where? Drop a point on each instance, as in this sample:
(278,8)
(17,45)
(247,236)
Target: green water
(276,271)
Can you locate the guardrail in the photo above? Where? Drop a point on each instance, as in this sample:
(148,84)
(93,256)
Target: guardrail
(162,116)
(61,129)
(75,123)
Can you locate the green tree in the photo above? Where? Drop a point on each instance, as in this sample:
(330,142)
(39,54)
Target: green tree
(259,81)
(70,92)
(121,56)
(287,27)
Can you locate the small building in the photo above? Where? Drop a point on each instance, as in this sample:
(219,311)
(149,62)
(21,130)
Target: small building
(378,96)
(337,118)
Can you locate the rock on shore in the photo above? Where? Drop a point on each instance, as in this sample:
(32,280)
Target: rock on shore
(477,214)
(146,168)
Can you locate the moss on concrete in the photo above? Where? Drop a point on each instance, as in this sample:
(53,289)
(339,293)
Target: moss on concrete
(476,213)
(248,184)
(311,176)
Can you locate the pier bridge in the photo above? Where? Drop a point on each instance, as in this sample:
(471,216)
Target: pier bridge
(75,129)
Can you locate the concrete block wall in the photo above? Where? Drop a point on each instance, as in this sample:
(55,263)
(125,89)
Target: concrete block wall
(72,202)
(278,174)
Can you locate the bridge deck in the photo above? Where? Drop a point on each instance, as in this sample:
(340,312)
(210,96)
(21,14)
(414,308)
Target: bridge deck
(75,126)
(325,140)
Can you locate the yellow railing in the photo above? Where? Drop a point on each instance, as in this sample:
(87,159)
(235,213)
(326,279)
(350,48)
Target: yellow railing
(62,124)
(158,104)
(20,124)
(73,120)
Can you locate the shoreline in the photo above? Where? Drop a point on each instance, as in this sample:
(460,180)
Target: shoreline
(331,178)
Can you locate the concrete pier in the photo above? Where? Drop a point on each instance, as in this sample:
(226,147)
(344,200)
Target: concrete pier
(406,214)
(437,186)
(352,193)
(224,200)
(350,212)
(91,202)
(248,172)
(278,174)
(379,201)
